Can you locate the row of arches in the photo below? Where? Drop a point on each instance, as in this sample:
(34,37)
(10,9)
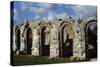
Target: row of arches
(66,39)
(45,41)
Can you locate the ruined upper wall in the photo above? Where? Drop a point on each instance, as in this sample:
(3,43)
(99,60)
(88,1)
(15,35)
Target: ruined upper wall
(70,20)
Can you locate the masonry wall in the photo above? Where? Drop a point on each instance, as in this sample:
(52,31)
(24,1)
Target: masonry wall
(55,39)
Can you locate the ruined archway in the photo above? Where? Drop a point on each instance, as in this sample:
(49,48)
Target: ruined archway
(66,39)
(28,41)
(18,39)
(91,39)
(45,45)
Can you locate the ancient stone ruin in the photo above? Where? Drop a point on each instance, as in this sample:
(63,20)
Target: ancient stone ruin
(56,39)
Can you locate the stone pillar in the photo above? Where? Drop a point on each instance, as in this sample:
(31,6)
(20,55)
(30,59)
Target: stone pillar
(79,43)
(54,45)
(22,45)
(36,40)
(82,42)
(14,44)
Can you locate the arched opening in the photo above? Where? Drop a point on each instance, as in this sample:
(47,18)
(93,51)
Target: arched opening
(18,39)
(45,45)
(91,40)
(67,42)
(29,41)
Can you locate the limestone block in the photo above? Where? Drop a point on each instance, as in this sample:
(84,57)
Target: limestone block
(79,48)
(35,45)
(22,45)
(35,51)
(54,46)
(17,52)
(14,44)
(54,51)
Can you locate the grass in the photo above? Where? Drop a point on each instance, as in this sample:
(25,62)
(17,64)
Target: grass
(19,60)
(32,60)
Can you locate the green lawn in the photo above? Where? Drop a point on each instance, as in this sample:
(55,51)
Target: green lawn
(31,60)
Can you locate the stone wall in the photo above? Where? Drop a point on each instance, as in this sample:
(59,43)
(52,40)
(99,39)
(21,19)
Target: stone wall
(54,37)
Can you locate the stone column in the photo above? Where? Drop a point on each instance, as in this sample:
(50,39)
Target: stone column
(54,45)
(82,42)
(79,44)
(35,45)
(22,38)
(14,44)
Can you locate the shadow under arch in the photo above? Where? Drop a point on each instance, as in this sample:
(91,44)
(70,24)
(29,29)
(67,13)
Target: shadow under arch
(28,41)
(45,46)
(91,39)
(66,39)
(18,39)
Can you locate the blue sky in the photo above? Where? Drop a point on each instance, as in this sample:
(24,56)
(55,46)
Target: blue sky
(49,11)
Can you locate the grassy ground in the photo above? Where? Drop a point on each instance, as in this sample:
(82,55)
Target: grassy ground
(31,60)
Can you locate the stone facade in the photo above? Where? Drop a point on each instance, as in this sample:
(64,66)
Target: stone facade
(55,39)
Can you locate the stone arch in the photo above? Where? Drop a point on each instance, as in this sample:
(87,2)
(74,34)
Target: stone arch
(67,36)
(28,40)
(17,39)
(44,40)
(91,39)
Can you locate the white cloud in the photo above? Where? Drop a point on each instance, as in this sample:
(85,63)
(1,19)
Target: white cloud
(23,6)
(45,5)
(53,15)
(85,11)
(15,14)
(37,17)
(38,10)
